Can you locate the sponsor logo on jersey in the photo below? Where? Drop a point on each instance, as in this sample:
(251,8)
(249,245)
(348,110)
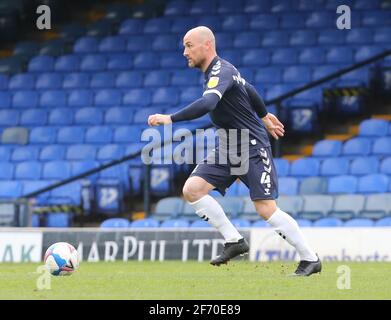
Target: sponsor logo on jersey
(213,82)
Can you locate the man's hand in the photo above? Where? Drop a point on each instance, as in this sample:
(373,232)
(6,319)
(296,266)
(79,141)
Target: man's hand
(158,119)
(273,125)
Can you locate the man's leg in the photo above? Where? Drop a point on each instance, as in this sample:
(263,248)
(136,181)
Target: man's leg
(195,191)
(289,230)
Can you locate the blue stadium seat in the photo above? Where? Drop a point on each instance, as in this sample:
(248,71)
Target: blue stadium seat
(168,208)
(327,148)
(131,26)
(81,152)
(373,128)
(99,134)
(334,167)
(339,55)
(88,116)
(93,62)
(282,166)
(127,134)
(234,23)
(304,222)
(372,18)
(367,52)
(70,135)
(281,6)
(129,79)
(5,153)
(56,170)
(313,185)
(328,222)
(360,75)
(262,22)
(297,74)
(343,184)
(385,166)
(25,153)
(268,75)
(383,222)
(203,7)
(119,61)
(347,206)
(176,8)
(42,135)
(171,60)
(233,56)
(119,115)
(373,183)
(148,60)
(112,44)
(4,81)
(305,167)
(165,96)
(157,25)
(225,40)
(165,42)
(364,165)
(25,99)
(53,98)
(69,193)
(185,78)
(303,38)
(78,167)
(76,80)
(145,223)
(292,21)
(41,63)
(28,170)
(200,224)
(61,117)
(313,56)
(86,45)
(33,117)
(58,220)
(103,80)
(290,204)
(359,36)
(190,94)
(52,152)
(10,189)
(30,186)
(175,223)
(382,146)
(247,74)
(359,222)
(80,98)
(158,78)
(288,185)
(256,57)
(382,36)
(6,170)
(357,147)
(115,223)
(137,97)
(285,56)
(141,116)
(49,81)
(139,43)
(182,24)
(22,81)
(319,20)
(241,223)
(316,206)
(275,39)
(67,63)
(110,152)
(9,117)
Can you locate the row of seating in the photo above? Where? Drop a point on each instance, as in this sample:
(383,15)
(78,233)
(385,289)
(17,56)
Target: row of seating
(180,79)
(241,223)
(312,207)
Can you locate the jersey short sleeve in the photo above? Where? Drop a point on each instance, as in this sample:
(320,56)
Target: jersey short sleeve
(219,80)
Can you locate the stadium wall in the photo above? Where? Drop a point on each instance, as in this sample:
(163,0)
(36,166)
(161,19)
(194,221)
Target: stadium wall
(93,245)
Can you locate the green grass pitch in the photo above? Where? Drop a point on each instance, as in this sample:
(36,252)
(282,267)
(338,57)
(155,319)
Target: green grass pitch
(176,280)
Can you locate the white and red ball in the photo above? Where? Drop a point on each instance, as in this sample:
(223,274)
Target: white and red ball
(61,259)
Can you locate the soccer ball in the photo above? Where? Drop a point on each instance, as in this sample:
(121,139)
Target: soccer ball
(61,259)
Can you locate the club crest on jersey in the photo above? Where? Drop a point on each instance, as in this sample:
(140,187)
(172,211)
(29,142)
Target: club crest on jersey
(213,82)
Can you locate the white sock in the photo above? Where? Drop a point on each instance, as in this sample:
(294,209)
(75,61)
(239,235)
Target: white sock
(288,228)
(210,210)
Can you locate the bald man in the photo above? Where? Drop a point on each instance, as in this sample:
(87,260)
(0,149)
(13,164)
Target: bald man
(233,103)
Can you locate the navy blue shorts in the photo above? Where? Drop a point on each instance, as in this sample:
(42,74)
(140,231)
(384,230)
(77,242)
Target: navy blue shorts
(261,177)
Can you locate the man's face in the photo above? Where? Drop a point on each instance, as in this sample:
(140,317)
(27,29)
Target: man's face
(194,50)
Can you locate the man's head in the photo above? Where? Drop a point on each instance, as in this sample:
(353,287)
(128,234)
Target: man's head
(200,47)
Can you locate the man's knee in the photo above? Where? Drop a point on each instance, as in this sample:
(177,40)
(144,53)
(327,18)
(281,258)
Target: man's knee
(194,189)
(265,208)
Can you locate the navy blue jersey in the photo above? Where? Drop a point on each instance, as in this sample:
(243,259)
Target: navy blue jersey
(234,110)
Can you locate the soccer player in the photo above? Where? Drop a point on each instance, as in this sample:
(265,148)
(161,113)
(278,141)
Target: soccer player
(233,103)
